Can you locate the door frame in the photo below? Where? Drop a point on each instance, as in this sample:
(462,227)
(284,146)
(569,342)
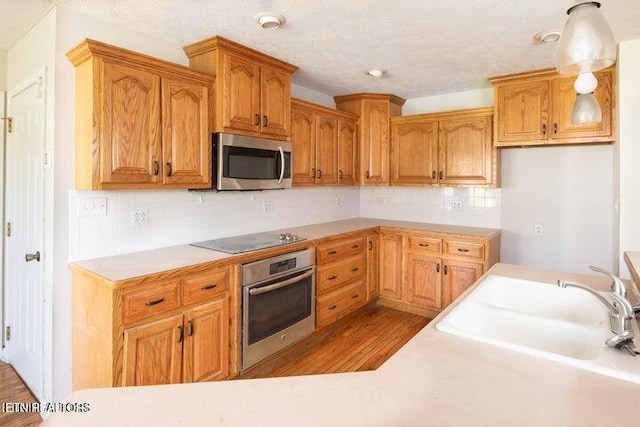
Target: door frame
(3,143)
(47,306)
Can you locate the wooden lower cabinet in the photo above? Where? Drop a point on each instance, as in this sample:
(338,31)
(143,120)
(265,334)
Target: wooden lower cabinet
(423,278)
(373,266)
(391,265)
(458,276)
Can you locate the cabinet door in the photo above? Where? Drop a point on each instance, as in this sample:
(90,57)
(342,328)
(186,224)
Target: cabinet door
(186,136)
(275,97)
(130,147)
(153,353)
(391,266)
(373,267)
(563,96)
(414,152)
(466,150)
(375,142)
(303,140)
(457,277)
(347,152)
(206,345)
(326,150)
(423,281)
(522,113)
(240,85)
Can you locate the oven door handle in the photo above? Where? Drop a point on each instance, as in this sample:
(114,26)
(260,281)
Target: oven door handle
(281,164)
(269,288)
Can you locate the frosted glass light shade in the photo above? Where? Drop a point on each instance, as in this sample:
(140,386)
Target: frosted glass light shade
(586,43)
(586,110)
(585,83)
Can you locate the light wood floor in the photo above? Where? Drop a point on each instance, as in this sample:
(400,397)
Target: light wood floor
(13,390)
(360,342)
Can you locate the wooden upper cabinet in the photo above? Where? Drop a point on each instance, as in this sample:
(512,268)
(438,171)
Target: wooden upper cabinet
(414,152)
(535,109)
(186,142)
(140,122)
(347,151)
(253,94)
(323,145)
(374,111)
(453,148)
(466,150)
(327,150)
(130,140)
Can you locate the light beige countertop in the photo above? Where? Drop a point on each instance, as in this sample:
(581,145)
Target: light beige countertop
(136,264)
(632,259)
(435,379)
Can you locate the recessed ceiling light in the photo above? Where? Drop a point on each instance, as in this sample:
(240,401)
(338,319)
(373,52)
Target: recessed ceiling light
(269,21)
(375,73)
(546,37)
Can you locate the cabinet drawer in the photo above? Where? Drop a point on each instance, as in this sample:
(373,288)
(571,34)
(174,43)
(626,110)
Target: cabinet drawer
(418,243)
(332,251)
(466,249)
(205,286)
(334,275)
(333,306)
(150,300)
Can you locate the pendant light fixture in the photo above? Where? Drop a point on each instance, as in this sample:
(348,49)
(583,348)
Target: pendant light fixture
(586,45)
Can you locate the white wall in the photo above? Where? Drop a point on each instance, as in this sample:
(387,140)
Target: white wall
(311,95)
(3,69)
(452,101)
(629,148)
(36,50)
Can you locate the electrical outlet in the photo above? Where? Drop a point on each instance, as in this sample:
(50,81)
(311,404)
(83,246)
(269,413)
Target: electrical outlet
(380,201)
(267,206)
(538,229)
(140,217)
(456,205)
(95,206)
(338,201)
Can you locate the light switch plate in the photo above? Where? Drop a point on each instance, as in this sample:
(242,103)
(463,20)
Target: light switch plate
(92,206)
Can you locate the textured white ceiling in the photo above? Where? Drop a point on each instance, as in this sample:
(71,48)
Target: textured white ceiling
(426,47)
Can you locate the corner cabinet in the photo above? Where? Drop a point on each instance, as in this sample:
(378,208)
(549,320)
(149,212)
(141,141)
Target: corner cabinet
(374,111)
(140,122)
(324,145)
(535,109)
(253,90)
(164,328)
(452,149)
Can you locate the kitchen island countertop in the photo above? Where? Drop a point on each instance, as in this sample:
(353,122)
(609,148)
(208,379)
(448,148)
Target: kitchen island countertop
(435,379)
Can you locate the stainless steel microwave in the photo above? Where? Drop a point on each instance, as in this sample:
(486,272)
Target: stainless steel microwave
(247,163)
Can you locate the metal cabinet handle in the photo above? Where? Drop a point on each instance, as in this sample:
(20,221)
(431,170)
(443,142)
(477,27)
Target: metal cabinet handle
(354,269)
(340,174)
(333,307)
(313,172)
(207,287)
(256,119)
(555,128)
(191,328)
(424,245)
(433,175)
(354,296)
(181,336)
(445,269)
(332,252)
(32,257)
(441,175)
(156,167)
(370,245)
(438,267)
(356,246)
(265,121)
(544,129)
(463,250)
(367,175)
(169,169)
(319,174)
(332,278)
(154,302)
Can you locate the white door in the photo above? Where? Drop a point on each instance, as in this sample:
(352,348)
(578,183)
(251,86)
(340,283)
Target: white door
(24,207)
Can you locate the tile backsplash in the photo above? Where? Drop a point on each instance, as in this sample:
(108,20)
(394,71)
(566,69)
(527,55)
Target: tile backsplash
(475,207)
(177,217)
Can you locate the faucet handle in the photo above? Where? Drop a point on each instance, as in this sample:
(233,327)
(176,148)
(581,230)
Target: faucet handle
(617,285)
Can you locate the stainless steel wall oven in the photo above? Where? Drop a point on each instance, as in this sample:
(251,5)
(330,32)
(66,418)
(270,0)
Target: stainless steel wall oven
(278,304)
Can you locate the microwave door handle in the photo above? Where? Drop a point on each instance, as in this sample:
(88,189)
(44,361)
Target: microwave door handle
(281,165)
(265,289)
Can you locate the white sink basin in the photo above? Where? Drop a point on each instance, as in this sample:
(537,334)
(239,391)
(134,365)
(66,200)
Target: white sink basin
(565,325)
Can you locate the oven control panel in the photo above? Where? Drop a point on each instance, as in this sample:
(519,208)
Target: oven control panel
(284,265)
